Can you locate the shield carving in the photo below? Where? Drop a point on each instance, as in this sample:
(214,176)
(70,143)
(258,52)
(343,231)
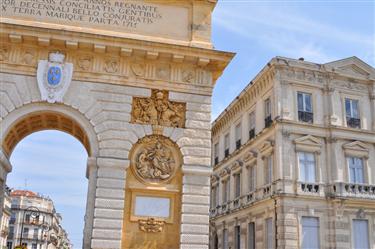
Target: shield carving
(54,77)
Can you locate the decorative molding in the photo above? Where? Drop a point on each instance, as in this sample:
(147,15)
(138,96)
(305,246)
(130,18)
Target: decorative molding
(250,158)
(158,110)
(308,143)
(266,149)
(356,148)
(236,166)
(151,225)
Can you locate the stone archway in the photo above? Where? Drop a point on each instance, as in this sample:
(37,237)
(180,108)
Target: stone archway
(36,117)
(97,81)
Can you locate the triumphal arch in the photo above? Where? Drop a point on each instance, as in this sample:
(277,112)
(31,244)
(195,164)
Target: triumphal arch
(132,81)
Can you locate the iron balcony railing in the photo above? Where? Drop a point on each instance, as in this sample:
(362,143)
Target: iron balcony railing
(353,122)
(268,121)
(307,117)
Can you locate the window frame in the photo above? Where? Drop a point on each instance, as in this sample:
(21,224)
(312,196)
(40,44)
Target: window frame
(268,169)
(238,135)
(362,169)
(269,232)
(304,167)
(226,144)
(352,242)
(317,232)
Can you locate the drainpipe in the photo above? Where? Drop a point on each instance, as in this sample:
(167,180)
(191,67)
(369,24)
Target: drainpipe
(276,233)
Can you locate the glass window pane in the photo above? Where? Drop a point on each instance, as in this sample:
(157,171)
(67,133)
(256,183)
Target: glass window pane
(360,234)
(308,106)
(251,237)
(225,239)
(310,233)
(269,233)
(355,109)
(348,107)
(300,102)
(152,206)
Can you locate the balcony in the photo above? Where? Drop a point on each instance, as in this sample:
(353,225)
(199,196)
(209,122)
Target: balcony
(226,153)
(355,190)
(307,117)
(251,134)
(310,188)
(353,122)
(238,144)
(268,121)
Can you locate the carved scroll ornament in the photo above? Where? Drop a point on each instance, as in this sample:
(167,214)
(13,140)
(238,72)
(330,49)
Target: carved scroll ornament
(155,159)
(158,110)
(151,225)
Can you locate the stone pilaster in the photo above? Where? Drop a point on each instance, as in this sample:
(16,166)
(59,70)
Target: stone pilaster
(109,203)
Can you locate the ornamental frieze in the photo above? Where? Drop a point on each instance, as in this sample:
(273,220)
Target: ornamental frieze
(108,64)
(151,225)
(158,110)
(155,159)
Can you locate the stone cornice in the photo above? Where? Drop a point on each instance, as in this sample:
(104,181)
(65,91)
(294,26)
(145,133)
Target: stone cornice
(248,96)
(114,60)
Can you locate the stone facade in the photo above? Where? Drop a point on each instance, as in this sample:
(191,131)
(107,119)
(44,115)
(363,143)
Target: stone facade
(297,145)
(113,69)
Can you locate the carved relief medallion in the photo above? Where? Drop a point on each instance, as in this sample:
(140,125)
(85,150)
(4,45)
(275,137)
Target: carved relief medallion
(155,159)
(158,110)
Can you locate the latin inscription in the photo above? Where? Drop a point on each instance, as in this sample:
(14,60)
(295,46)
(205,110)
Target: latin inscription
(116,15)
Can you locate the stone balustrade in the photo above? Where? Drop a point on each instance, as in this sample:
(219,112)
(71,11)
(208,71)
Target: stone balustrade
(355,190)
(302,188)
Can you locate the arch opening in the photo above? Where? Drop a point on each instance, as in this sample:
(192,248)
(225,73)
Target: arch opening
(39,121)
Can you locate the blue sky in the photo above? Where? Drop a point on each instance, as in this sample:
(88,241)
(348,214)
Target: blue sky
(54,163)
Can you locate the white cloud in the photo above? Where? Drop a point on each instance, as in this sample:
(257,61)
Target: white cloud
(287,32)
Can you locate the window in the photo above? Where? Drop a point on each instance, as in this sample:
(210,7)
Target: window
(27,218)
(216,153)
(352,113)
(355,170)
(9,245)
(213,197)
(34,246)
(36,232)
(269,234)
(237,182)
(238,136)
(305,113)
(310,233)
(306,167)
(268,170)
(267,113)
(251,236)
(251,178)
(226,189)
(25,231)
(226,145)
(237,236)
(225,239)
(252,125)
(360,234)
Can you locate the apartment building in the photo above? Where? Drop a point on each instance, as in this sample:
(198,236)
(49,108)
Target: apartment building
(4,224)
(294,159)
(34,222)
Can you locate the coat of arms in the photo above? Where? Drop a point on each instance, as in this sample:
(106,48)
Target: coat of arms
(54,77)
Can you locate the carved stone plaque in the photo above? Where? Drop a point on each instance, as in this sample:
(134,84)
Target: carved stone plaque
(155,159)
(158,110)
